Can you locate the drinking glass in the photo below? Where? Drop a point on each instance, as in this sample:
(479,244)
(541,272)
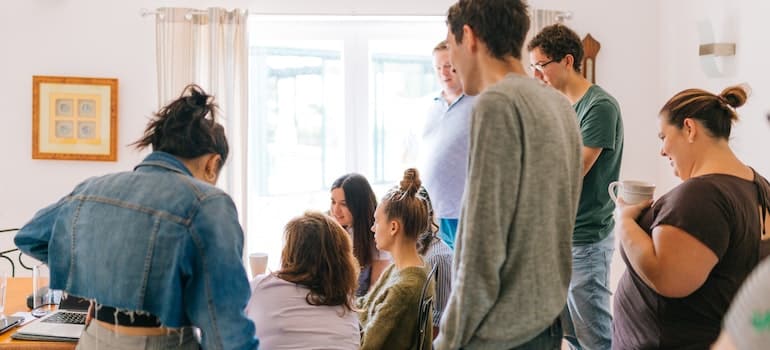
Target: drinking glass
(3,285)
(42,296)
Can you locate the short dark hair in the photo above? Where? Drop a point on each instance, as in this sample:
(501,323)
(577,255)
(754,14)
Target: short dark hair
(187,128)
(501,24)
(716,112)
(557,41)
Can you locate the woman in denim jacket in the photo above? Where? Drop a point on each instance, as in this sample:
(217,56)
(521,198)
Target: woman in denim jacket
(157,250)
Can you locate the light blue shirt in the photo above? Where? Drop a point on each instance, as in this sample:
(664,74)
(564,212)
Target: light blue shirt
(444,153)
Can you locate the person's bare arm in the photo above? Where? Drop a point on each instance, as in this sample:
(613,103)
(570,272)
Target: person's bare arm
(590,155)
(672,262)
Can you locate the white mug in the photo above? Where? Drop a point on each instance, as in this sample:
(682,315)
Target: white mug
(258,263)
(632,192)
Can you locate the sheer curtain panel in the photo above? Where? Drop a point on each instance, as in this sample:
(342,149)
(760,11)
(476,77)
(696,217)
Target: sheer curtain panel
(541,18)
(210,48)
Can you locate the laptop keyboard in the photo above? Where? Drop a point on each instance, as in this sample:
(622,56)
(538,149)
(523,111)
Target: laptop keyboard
(67,317)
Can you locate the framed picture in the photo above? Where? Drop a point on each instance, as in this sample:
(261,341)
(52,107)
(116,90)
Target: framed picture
(74,118)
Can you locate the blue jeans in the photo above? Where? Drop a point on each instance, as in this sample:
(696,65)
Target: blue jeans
(448,231)
(587,319)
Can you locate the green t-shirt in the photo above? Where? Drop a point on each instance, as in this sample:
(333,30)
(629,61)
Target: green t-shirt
(601,127)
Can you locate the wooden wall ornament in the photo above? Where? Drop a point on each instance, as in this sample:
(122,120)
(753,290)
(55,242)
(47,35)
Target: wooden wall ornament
(590,50)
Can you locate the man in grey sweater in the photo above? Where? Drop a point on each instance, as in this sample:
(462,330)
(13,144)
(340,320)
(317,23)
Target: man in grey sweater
(512,259)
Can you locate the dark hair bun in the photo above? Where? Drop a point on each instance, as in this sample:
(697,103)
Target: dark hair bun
(411,182)
(186,127)
(197,97)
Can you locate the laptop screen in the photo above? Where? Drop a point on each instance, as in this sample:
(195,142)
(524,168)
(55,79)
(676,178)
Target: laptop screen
(71,302)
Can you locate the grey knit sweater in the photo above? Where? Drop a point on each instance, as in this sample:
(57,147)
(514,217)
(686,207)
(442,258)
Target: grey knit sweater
(512,259)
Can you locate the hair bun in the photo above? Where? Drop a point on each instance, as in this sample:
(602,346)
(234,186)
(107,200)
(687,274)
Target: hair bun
(197,97)
(736,95)
(411,182)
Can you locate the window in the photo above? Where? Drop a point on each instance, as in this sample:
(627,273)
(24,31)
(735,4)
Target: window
(329,96)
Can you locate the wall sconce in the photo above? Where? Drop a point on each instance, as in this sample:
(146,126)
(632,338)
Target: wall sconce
(717,57)
(717,49)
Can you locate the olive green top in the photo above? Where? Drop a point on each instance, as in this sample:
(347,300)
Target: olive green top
(389,310)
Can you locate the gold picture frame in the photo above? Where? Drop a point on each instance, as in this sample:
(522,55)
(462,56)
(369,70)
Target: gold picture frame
(74,118)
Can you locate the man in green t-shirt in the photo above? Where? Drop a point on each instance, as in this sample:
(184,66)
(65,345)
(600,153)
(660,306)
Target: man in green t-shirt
(556,54)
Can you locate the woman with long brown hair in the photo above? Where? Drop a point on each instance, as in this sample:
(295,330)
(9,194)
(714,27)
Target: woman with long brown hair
(308,302)
(352,205)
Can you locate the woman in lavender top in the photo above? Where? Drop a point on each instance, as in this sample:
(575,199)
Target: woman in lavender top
(307,304)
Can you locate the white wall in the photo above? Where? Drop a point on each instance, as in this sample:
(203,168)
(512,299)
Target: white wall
(743,22)
(67,38)
(627,67)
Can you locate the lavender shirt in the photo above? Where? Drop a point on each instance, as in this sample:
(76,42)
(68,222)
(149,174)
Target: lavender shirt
(285,320)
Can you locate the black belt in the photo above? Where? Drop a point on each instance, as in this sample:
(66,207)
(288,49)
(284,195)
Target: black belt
(111,315)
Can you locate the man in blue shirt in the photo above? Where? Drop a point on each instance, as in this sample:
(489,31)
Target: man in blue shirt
(444,148)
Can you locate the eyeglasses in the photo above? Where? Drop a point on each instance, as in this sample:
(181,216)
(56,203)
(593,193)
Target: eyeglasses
(539,66)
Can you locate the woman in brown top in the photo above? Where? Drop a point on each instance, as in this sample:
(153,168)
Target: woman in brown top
(688,254)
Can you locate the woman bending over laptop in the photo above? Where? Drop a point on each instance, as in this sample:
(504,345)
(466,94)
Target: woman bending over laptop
(159,248)
(389,315)
(308,303)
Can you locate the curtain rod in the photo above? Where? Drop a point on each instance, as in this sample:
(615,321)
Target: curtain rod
(145,13)
(560,16)
(563,15)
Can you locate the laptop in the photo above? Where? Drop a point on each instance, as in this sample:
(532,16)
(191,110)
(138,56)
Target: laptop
(64,324)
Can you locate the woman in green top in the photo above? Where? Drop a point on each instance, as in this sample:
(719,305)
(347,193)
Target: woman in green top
(389,310)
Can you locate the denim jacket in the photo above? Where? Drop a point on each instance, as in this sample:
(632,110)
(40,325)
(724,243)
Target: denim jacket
(155,240)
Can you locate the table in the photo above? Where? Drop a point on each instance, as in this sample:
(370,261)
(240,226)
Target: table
(16,300)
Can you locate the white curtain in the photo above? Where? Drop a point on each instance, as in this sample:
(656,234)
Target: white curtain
(209,48)
(543,18)
(539,19)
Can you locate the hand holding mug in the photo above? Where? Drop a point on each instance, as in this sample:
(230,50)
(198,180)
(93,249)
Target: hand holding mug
(632,198)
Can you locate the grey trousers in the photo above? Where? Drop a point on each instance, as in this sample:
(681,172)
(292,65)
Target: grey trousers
(96,336)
